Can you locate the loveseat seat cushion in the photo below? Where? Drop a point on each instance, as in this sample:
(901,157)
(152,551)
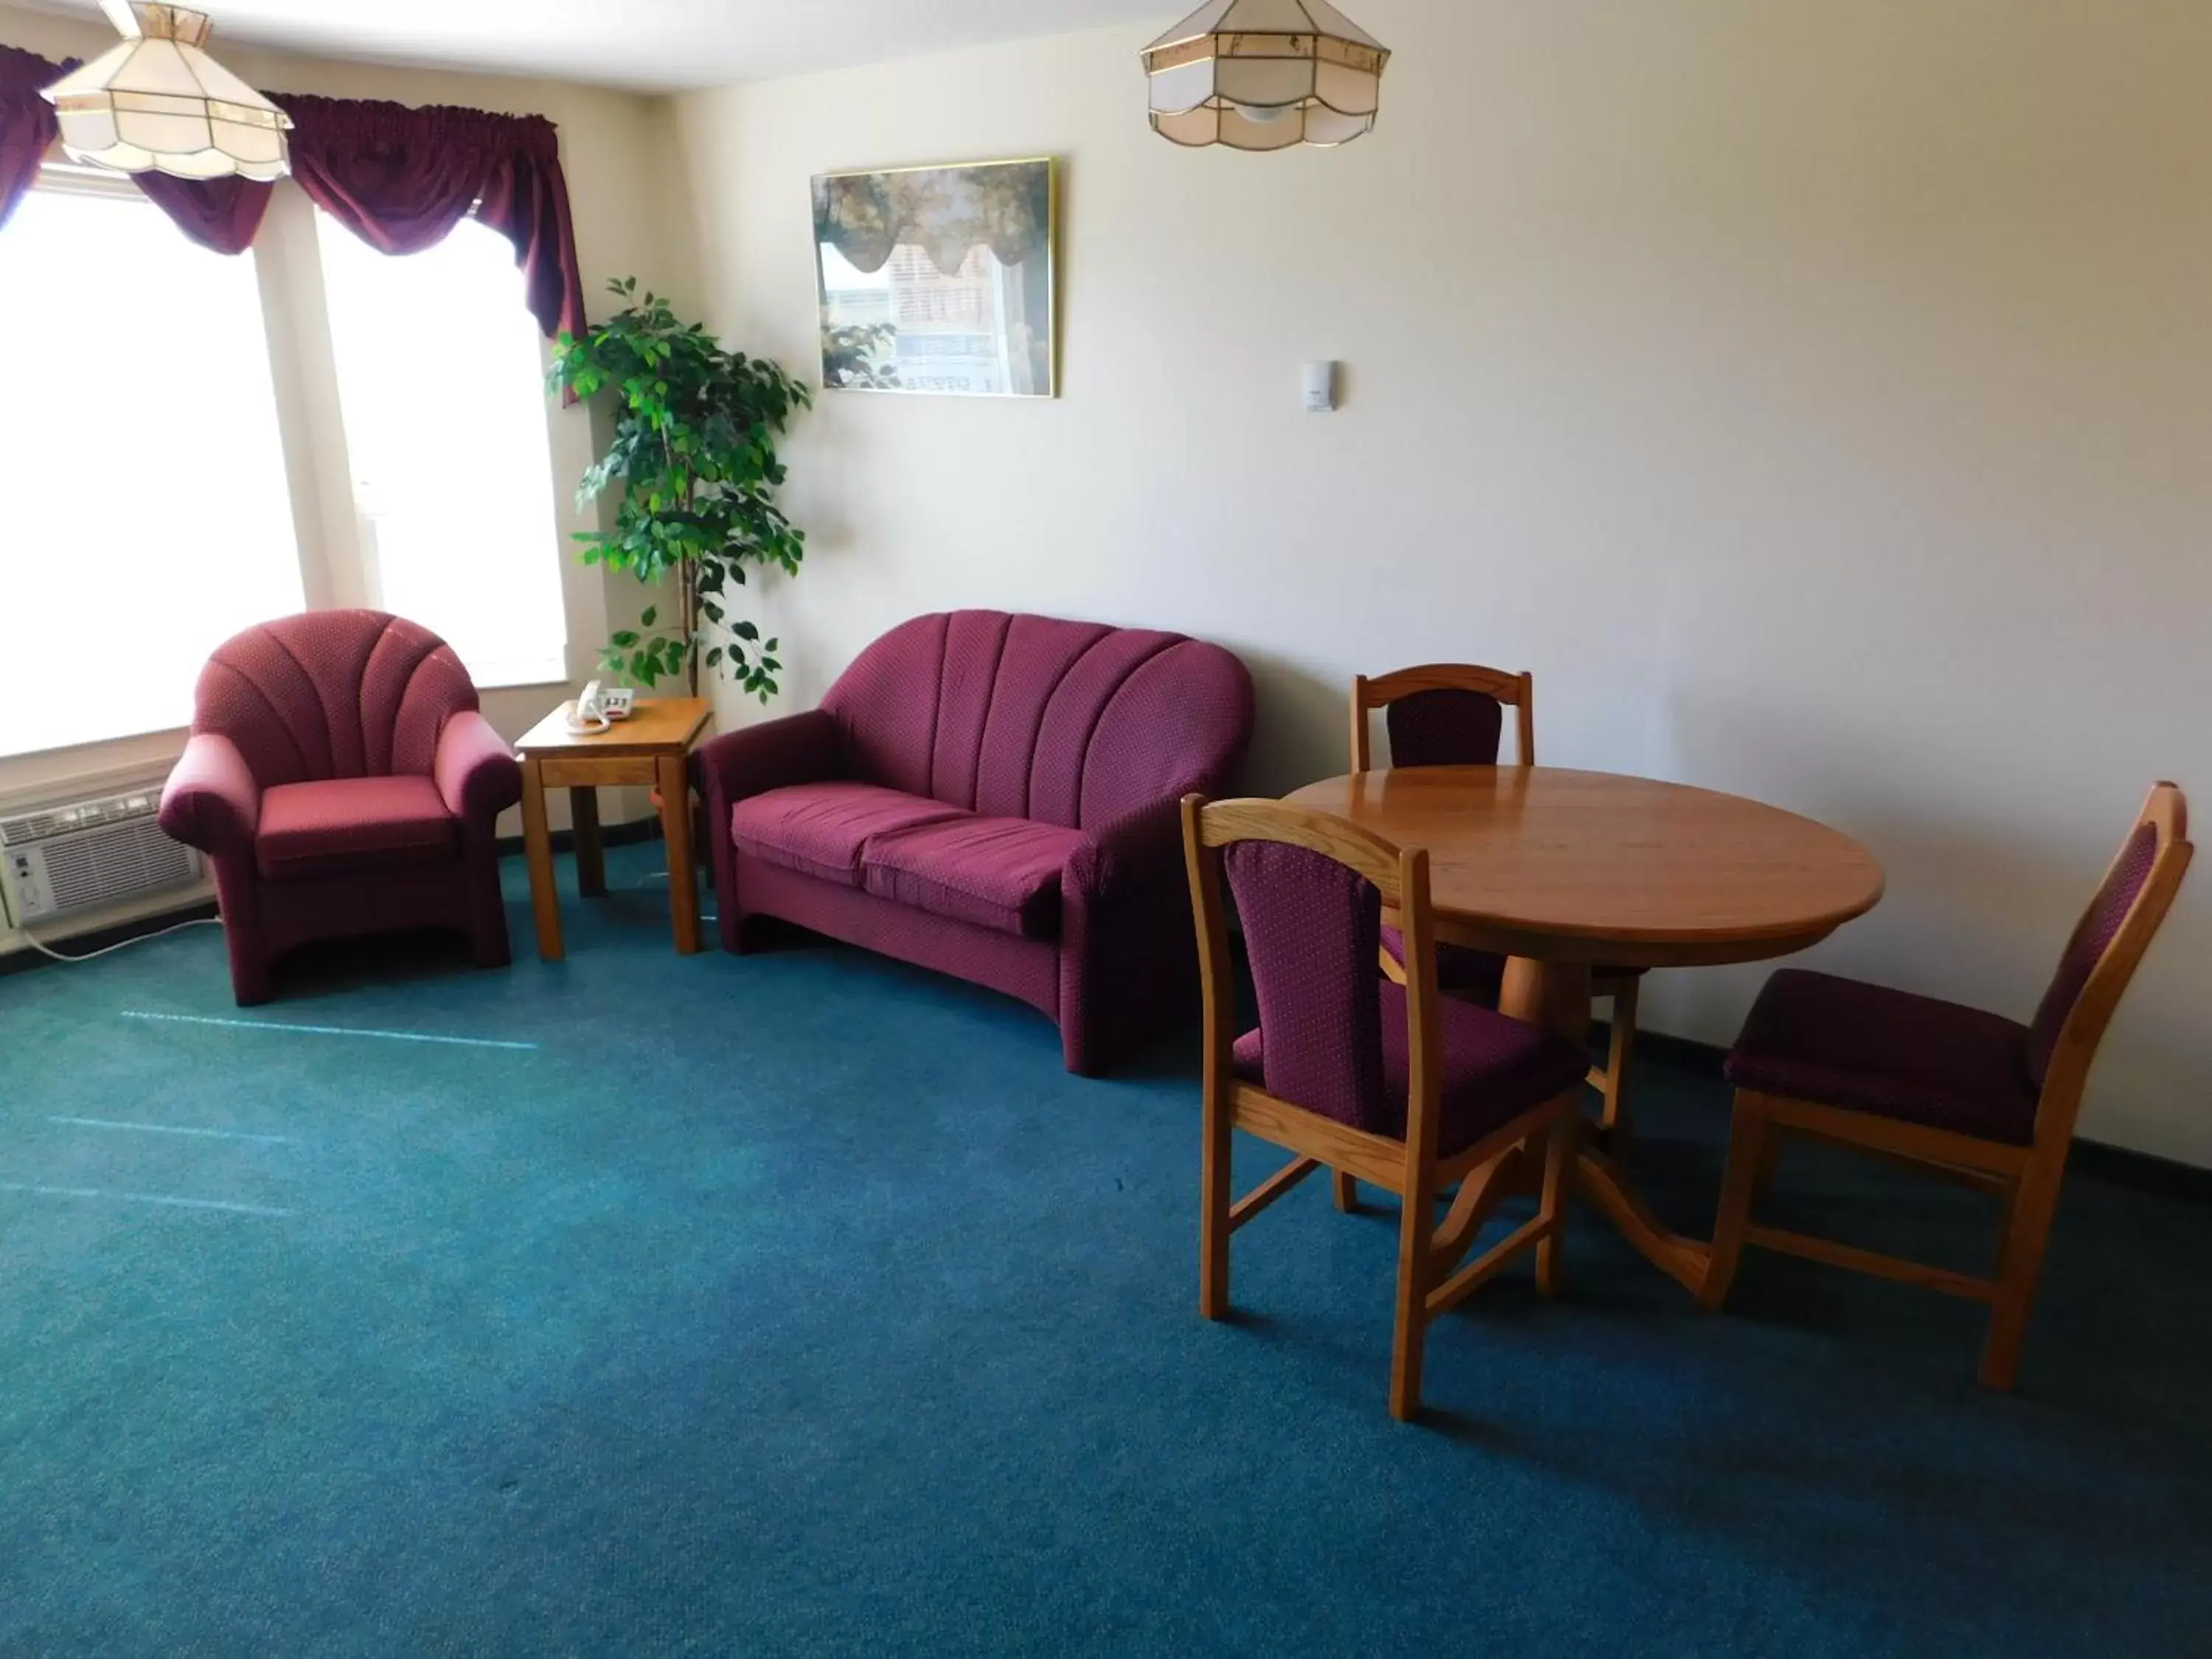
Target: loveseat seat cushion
(352,823)
(819,829)
(1001,873)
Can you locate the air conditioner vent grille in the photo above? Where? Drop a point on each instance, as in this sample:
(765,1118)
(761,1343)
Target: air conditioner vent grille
(81,856)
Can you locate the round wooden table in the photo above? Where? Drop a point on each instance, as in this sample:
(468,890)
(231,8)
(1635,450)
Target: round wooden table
(1558,870)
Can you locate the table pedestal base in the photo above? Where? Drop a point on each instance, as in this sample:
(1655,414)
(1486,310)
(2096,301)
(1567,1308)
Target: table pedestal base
(1556,995)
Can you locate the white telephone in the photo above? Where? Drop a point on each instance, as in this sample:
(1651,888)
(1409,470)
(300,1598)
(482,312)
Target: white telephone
(600,707)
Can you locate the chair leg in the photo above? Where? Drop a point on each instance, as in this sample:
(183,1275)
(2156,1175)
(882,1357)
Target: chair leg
(1558,1159)
(2027,1232)
(1213,1212)
(1748,1136)
(1346,1190)
(1619,1051)
(1415,1269)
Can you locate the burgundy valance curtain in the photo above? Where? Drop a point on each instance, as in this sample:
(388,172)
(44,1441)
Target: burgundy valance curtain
(398,177)
(27,121)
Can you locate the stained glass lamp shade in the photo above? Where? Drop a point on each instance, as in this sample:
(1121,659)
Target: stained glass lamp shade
(1265,75)
(157,102)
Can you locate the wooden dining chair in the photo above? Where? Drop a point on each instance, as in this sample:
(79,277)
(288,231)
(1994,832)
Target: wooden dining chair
(1398,1084)
(1453,714)
(1969,1096)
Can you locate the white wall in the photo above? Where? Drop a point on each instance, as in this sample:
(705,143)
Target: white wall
(612,149)
(1817,397)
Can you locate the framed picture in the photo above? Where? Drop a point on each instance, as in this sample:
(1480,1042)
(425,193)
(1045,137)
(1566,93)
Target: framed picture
(939,279)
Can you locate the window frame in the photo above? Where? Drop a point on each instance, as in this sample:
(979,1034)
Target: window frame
(317,468)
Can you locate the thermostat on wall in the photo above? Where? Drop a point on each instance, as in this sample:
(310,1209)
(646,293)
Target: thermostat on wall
(1321,388)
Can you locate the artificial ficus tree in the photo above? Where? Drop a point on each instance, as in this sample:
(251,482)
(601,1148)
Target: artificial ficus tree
(694,457)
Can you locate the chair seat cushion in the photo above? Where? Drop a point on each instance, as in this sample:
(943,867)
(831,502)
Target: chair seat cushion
(1495,1067)
(352,823)
(1869,1048)
(820,829)
(1001,873)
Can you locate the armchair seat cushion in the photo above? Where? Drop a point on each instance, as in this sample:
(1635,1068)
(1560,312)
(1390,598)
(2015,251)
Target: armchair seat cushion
(1870,1048)
(819,829)
(1001,873)
(352,824)
(1495,1067)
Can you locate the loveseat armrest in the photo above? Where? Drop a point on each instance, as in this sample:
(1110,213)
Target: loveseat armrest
(477,774)
(212,800)
(772,755)
(1139,849)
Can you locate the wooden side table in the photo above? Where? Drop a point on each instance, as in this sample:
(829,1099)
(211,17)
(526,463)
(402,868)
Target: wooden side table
(653,747)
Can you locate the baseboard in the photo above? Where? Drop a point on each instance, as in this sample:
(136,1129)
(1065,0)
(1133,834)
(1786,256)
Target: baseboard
(612,835)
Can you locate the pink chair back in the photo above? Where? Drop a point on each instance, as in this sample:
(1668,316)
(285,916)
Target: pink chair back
(1031,717)
(332,693)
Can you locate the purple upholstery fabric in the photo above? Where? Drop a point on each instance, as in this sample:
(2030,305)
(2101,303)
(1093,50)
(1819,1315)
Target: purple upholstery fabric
(333,694)
(1312,931)
(1444,728)
(362,700)
(1495,1068)
(1068,725)
(212,801)
(2123,886)
(1866,1048)
(1029,970)
(1002,873)
(474,768)
(313,829)
(821,829)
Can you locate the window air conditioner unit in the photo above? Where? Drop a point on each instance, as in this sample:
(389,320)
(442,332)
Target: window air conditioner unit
(81,856)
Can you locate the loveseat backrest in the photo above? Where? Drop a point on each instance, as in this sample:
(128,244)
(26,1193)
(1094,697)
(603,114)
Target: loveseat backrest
(332,693)
(1031,717)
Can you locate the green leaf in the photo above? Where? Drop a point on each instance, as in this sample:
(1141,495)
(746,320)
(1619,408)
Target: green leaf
(652,614)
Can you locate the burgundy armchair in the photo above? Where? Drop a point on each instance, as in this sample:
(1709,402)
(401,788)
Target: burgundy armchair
(995,797)
(341,783)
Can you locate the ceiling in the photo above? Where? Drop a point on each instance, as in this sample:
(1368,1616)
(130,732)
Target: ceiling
(657,45)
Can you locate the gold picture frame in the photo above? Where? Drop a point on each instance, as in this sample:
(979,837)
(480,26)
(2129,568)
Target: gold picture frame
(940,281)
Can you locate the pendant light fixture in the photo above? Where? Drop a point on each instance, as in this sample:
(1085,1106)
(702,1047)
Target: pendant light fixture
(156,102)
(1265,75)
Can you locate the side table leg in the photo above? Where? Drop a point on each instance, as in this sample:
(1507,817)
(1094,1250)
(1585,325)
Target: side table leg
(591,861)
(675,774)
(537,845)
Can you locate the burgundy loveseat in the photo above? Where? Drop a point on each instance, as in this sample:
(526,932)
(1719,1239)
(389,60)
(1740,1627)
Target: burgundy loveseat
(993,796)
(341,783)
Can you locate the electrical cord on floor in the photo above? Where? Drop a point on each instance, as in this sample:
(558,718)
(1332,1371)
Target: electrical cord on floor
(45,950)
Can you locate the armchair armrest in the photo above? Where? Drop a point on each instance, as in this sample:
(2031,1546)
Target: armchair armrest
(212,800)
(477,774)
(773,755)
(1139,847)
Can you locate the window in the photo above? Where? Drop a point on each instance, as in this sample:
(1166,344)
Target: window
(441,382)
(156,515)
(149,517)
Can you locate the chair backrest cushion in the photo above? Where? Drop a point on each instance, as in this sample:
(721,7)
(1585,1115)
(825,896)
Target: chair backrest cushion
(1031,717)
(1445,728)
(332,693)
(1312,931)
(2122,885)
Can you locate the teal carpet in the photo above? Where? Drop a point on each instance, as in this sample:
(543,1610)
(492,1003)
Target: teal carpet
(801,1304)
